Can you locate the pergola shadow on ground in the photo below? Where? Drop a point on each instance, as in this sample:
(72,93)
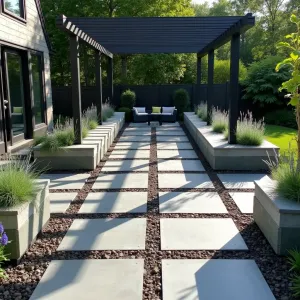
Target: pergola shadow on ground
(136,35)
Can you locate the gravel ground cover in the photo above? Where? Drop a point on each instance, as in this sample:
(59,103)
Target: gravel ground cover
(23,279)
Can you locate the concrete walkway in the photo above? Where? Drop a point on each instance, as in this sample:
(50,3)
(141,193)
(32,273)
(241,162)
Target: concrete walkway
(153,224)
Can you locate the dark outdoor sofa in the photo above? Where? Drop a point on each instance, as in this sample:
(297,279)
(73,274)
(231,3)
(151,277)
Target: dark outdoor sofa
(140,115)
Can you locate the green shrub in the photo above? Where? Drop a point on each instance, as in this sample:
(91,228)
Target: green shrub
(219,120)
(202,111)
(283,117)
(128,113)
(128,99)
(181,100)
(17,183)
(262,82)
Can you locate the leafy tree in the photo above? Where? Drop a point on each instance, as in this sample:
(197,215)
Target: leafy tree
(222,71)
(292,86)
(262,82)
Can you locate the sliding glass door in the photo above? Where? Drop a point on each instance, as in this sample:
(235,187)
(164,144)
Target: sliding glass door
(14,100)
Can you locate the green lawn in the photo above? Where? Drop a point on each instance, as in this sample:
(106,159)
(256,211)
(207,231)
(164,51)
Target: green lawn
(281,137)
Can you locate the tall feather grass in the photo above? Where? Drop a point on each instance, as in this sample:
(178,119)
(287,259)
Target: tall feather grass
(201,111)
(219,120)
(17,182)
(249,131)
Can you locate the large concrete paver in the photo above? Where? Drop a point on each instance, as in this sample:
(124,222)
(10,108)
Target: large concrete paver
(170,132)
(137,133)
(118,181)
(213,279)
(90,279)
(171,154)
(130,154)
(200,234)
(115,202)
(244,201)
(133,138)
(66,181)
(59,202)
(184,181)
(133,145)
(162,138)
(239,181)
(191,202)
(125,165)
(174,146)
(105,234)
(180,165)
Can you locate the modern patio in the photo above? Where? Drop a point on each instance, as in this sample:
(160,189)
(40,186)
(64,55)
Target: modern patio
(152,221)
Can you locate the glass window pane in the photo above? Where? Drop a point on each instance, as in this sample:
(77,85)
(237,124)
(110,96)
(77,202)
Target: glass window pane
(14,6)
(16,92)
(37,89)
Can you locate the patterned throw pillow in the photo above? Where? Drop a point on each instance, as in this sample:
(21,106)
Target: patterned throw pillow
(17,110)
(140,109)
(156,110)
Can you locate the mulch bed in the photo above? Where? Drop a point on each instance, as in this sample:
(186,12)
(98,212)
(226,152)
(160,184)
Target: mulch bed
(24,277)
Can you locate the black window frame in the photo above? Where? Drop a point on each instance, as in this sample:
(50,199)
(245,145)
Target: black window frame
(43,87)
(8,13)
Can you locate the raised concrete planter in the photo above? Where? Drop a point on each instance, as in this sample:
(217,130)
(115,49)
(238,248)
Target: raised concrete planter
(87,155)
(278,218)
(221,155)
(23,223)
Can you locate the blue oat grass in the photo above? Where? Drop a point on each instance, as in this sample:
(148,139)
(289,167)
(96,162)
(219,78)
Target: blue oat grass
(3,243)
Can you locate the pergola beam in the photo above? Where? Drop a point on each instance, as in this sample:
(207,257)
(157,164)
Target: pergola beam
(210,84)
(239,27)
(66,25)
(98,85)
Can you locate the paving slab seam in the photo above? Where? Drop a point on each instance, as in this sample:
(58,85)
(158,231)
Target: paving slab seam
(272,266)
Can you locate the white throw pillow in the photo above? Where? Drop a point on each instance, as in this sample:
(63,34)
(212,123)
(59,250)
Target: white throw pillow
(168,110)
(140,109)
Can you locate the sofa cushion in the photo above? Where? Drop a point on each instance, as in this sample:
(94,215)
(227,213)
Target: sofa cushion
(168,110)
(167,114)
(156,110)
(142,114)
(140,109)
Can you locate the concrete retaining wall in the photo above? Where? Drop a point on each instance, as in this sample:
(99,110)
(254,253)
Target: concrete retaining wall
(23,223)
(278,218)
(87,155)
(221,155)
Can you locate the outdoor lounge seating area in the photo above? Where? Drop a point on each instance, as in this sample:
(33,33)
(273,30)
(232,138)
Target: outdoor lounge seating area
(161,114)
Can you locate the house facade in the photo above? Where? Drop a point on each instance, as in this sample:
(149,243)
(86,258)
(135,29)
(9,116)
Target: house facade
(25,84)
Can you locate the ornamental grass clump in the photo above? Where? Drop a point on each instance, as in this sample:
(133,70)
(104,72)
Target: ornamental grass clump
(107,111)
(17,182)
(202,111)
(219,120)
(286,171)
(3,257)
(249,131)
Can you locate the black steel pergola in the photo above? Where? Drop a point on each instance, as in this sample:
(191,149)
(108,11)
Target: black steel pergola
(145,35)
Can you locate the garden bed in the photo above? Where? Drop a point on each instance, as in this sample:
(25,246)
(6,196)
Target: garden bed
(23,223)
(223,156)
(85,156)
(278,218)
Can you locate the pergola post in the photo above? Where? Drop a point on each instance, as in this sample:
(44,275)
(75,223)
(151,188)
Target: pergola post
(210,84)
(76,89)
(98,85)
(110,76)
(198,70)
(234,88)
